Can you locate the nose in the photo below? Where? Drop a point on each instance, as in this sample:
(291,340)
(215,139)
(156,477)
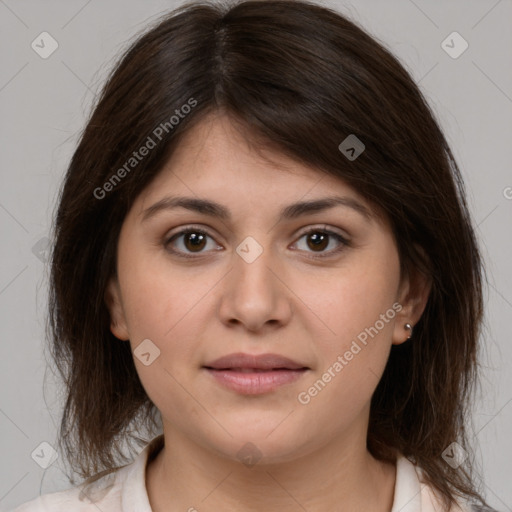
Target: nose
(254,294)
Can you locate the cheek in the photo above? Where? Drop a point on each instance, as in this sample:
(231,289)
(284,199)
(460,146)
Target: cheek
(353,321)
(157,295)
(352,345)
(162,307)
(170,305)
(352,299)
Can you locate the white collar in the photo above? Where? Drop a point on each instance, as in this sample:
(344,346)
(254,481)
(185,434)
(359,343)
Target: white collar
(411,493)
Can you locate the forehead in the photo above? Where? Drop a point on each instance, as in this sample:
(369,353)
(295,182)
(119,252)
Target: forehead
(219,158)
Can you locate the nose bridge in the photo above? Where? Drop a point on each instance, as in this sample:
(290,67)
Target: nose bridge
(253,260)
(254,295)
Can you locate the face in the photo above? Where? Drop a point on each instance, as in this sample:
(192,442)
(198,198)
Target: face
(321,287)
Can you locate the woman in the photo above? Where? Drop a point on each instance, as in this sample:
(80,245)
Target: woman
(263,254)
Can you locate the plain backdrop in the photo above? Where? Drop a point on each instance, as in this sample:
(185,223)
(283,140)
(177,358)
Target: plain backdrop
(44,103)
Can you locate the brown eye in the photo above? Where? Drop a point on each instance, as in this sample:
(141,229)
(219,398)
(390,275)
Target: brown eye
(194,241)
(317,241)
(189,241)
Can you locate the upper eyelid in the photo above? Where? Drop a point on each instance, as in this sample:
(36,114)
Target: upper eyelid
(302,231)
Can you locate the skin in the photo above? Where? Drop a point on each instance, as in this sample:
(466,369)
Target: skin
(313,456)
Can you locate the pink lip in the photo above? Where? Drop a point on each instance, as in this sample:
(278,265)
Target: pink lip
(255,374)
(257,382)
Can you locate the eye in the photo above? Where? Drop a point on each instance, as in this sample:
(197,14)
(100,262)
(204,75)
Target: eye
(318,239)
(193,240)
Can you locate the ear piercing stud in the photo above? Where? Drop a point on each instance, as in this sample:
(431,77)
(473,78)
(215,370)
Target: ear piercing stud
(409,327)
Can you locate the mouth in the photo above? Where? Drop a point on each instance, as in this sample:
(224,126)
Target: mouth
(254,374)
(251,370)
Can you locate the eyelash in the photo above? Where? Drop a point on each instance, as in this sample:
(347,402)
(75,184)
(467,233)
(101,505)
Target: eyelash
(192,229)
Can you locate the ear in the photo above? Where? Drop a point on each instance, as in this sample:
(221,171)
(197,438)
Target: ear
(413,295)
(112,297)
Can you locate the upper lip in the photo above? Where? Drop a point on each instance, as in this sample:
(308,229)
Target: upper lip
(259,362)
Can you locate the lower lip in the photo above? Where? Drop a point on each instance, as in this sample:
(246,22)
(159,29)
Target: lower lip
(257,382)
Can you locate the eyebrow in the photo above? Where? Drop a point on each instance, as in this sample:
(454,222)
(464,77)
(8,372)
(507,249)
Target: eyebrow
(217,210)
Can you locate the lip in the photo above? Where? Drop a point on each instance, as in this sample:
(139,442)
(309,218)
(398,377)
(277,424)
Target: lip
(241,360)
(255,374)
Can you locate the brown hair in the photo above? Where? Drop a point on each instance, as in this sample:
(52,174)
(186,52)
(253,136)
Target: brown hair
(302,78)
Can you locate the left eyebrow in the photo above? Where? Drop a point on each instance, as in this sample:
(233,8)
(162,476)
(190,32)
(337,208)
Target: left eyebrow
(292,211)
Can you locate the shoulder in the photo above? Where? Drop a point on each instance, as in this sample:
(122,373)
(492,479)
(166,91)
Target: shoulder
(109,491)
(413,492)
(102,490)
(432,503)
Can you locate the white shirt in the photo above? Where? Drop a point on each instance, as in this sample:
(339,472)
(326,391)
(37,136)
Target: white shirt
(125,490)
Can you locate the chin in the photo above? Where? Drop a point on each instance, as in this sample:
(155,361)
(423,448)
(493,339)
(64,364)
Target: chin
(261,445)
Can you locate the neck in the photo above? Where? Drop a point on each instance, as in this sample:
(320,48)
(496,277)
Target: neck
(340,475)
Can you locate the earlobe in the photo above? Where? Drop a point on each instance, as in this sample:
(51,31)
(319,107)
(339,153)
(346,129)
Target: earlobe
(413,297)
(113,302)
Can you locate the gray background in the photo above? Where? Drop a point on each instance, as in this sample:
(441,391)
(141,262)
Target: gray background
(44,104)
